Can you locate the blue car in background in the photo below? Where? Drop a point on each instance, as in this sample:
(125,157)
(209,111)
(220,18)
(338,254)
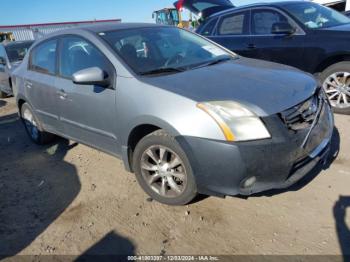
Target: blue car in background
(301,34)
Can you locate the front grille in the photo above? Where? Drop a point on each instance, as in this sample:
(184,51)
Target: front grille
(303,115)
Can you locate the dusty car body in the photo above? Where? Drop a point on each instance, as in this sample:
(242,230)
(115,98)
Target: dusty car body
(185,114)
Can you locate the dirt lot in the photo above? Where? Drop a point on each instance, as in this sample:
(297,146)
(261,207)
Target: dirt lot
(69,199)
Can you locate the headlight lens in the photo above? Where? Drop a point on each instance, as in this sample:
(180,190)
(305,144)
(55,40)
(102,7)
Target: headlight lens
(237,122)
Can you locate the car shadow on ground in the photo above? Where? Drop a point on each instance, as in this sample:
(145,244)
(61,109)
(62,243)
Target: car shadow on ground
(3,103)
(36,185)
(343,229)
(111,248)
(334,151)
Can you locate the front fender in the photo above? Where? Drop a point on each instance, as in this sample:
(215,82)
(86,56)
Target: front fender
(147,120)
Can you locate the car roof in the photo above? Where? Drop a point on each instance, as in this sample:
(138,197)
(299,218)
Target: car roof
(14,43)
(95,29)
(98,28)
(119,26)
(260,4)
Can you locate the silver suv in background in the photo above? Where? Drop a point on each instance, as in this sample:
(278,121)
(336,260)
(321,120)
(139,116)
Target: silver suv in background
(11,56)
(186,115)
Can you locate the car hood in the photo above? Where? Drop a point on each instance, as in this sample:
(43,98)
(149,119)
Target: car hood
(339,28)
(265,88)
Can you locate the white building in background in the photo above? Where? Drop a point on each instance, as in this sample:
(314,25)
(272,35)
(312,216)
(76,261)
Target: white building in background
(36,31)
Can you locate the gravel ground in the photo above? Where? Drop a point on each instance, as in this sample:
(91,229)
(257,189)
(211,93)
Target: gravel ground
(68,199)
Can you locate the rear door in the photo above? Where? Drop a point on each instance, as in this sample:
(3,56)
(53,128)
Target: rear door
(232,32)
(88,112)
(284,49)
(204,7)
(39,84)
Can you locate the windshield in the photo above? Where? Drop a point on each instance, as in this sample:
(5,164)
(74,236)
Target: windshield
(17,52)
(315,16)
(163,48)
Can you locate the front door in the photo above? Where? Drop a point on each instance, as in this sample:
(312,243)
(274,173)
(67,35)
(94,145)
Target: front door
(88,112)
(284,49)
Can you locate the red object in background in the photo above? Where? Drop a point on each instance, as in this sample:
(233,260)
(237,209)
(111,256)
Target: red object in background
(179,4)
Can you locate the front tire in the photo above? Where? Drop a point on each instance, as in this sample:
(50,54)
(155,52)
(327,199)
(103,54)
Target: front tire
(33,126)
(163,170)
(336,83)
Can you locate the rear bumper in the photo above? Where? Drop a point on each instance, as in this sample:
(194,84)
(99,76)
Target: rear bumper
(224,168)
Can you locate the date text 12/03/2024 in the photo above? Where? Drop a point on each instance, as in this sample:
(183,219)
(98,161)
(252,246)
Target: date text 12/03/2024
(173,258)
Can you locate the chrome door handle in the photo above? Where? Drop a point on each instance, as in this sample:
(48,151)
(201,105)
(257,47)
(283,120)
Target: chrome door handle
(62,94)
(251,46)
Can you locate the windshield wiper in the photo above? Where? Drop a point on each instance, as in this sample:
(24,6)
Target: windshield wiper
(214,62)
(162,70)
(218,61)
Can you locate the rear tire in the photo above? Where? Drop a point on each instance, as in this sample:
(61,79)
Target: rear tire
(33,126)
(336,82)
(163,170)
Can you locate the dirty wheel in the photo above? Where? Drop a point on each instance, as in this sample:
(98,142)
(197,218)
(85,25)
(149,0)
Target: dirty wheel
(336,83)
(33,126)
(163,170)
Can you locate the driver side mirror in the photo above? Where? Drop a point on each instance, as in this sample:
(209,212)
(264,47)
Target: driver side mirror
(282,28)
(91,76)
(2,61)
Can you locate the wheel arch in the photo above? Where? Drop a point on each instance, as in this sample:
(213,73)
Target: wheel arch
(331,60)
(139,130)
(20,102)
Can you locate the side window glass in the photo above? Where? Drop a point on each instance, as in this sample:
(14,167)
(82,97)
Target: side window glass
(263,21)
(43,58)
(209,28)
(78,54)
(233,24)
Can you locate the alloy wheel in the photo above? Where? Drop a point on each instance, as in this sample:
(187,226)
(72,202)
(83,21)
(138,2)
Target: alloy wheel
(337,88)
(31,125)
(164,171)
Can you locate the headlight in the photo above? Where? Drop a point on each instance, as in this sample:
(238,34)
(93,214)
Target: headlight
(236,122)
